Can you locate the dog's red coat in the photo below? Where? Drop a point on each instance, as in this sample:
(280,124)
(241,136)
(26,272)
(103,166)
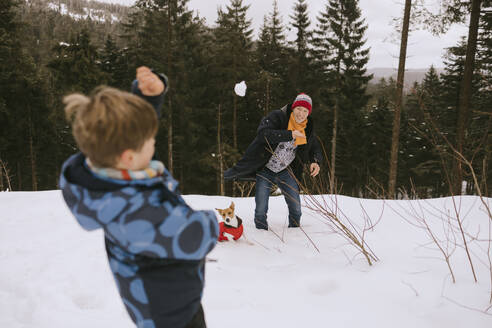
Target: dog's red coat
(235,232)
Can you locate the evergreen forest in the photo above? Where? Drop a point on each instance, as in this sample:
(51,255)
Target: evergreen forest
(52,48)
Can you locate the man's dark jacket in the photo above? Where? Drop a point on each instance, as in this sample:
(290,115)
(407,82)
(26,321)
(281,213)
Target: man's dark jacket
(271,131)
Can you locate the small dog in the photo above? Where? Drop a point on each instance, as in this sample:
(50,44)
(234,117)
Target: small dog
(231,228)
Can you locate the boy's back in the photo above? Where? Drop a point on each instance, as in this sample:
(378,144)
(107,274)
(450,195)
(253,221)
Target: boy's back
(156,244)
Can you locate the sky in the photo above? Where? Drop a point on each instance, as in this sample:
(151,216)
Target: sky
(424,49)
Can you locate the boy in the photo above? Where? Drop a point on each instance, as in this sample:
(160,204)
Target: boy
(156,244)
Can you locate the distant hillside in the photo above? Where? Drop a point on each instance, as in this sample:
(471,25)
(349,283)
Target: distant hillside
(54,21)
(51,22)
(83,9)
(411,75)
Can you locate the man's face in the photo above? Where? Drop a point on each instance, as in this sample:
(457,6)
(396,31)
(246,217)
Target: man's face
(300,114)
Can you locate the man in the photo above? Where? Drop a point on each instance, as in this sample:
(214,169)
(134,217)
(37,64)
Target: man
(284,143)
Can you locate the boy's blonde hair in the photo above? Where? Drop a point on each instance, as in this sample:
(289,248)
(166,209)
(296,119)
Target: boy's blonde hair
(108,122)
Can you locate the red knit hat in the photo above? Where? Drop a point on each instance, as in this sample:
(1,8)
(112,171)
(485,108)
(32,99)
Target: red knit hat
(303,100)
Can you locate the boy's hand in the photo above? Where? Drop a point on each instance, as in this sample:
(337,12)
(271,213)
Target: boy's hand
(149,83)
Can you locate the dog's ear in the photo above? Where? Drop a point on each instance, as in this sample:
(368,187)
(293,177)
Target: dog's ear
(232,205)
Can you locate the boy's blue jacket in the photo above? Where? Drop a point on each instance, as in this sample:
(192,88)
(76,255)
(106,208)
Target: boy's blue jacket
(156,244)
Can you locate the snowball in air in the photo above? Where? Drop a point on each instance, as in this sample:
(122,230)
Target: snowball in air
(240,89)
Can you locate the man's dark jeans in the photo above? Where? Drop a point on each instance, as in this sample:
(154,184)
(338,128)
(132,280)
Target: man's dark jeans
(288,185)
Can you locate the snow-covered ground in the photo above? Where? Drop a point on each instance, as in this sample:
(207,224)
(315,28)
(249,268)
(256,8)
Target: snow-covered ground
(54,274)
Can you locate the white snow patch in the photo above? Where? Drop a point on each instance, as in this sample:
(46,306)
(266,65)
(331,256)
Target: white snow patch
(54,274)
(94,14)
(62,8)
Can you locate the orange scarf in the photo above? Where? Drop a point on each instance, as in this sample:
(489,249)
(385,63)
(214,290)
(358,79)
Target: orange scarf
(293,125)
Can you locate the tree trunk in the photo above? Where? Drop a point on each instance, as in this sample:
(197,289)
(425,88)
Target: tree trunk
(267,105)
(219,155)
(335,129)
(234,110)
(1,178)
(170,109)
(399,96)
(170,138)
(333,148)
(4,171)
(182,187)
(19,177)
(487,180)
(234,123)
(465,93)
(234,139)
(32,155)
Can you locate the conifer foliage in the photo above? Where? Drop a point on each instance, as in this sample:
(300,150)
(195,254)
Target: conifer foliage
(301,61)
(342,57)
(205,126)
(23,112)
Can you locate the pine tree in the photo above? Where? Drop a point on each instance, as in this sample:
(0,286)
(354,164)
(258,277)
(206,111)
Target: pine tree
(161,38)
(241,34)
(421,153)
(232,63)
(454,61)
(300,72)
(484,57)
(195,120)
(267,82)
(277,45)
(23,111)
(377,128)
(272,59)
(300,20)
(132,28)
(166,36)
(114,64)
(76,65)
(340,54)
(453,11)
(232,59)
(452,86)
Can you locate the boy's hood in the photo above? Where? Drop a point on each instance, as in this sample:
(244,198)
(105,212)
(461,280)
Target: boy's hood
(76,172)
(89,196)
